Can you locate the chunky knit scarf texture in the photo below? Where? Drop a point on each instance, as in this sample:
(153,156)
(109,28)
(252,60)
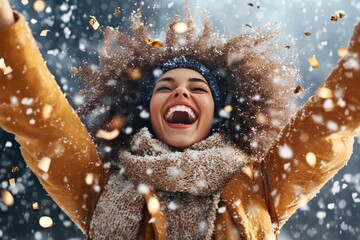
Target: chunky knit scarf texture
(188,183)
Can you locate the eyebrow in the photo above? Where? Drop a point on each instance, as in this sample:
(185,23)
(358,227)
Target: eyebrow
(170,79)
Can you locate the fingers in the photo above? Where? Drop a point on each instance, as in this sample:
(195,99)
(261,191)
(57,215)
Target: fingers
(6,15)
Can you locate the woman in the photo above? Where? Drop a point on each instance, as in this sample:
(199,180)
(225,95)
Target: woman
(241,198)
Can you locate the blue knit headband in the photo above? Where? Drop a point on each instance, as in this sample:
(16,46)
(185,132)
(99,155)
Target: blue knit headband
(185,62)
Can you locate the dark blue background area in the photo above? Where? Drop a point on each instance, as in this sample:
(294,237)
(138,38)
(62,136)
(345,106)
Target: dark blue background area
(71,40)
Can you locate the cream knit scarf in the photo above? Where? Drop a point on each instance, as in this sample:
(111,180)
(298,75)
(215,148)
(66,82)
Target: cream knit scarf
(188,183)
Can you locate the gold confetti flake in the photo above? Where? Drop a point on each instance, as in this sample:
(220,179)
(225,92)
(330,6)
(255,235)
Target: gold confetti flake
(12,182)
(311,159)
(342,14)
(180,27)
(287,46)
(35,206)
(313,62)
(117,122)
(44,32)
(39,5)
(46,111)
(7,198)
(153,205)
(325,93)
(24,2)
(107,135)
(228,108)
(94,23)
(250,4)
(7,70)
(89,179)
(248,171)
(2,63)
(135,74)
(44,164)
(334,18)
(155,43)
(14,169)
(342,52)
(308,34)
(117,11)
(261,118)
(299,90)
(46,222)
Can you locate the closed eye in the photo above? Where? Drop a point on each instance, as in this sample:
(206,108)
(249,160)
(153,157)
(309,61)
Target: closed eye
(199,89)
(163,88)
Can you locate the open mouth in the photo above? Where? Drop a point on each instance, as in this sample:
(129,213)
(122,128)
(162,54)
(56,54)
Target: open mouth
(180,114)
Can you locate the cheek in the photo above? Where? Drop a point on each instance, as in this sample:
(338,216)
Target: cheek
(156,104)
(206,106)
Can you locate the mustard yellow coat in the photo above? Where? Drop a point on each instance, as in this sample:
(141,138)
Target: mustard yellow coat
(258,200)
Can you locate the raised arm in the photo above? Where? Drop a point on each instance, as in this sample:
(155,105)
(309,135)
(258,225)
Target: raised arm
(310,150)
(33,108)
(317,142)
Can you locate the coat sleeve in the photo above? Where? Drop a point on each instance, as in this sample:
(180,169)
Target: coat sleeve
(317,142)
(54,142)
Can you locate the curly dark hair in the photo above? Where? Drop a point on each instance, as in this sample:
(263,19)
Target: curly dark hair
(250,68)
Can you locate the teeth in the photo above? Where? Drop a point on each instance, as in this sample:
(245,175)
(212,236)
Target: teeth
(180,108)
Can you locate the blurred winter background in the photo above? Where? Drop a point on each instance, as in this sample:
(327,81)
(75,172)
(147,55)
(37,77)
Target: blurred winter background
(333,214)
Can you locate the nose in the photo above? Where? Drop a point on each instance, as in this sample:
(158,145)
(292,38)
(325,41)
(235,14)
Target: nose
(181,91)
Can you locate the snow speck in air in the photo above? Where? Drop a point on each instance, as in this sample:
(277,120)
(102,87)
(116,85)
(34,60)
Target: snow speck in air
(335,188)
(202,226)
(174,171)
(157,73)
(331,205)
(27,101)
(14,101)
(317,118)
(78,99)
(328,104)
(8,144)
(287,166)
(224,114)
(332,125)
(128,130)
(221,209)
(149,171)
(143,188)
(172,206)
(144,114)
(355,197)
(38,235)
(321,215)
(351,64)
(285,152)
(29,111)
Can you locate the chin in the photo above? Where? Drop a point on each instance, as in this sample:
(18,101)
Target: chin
(180,142)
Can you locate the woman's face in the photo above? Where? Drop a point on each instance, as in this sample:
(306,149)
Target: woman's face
(181,108)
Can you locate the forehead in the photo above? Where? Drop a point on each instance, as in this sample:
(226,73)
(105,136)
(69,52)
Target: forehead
(180,75)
